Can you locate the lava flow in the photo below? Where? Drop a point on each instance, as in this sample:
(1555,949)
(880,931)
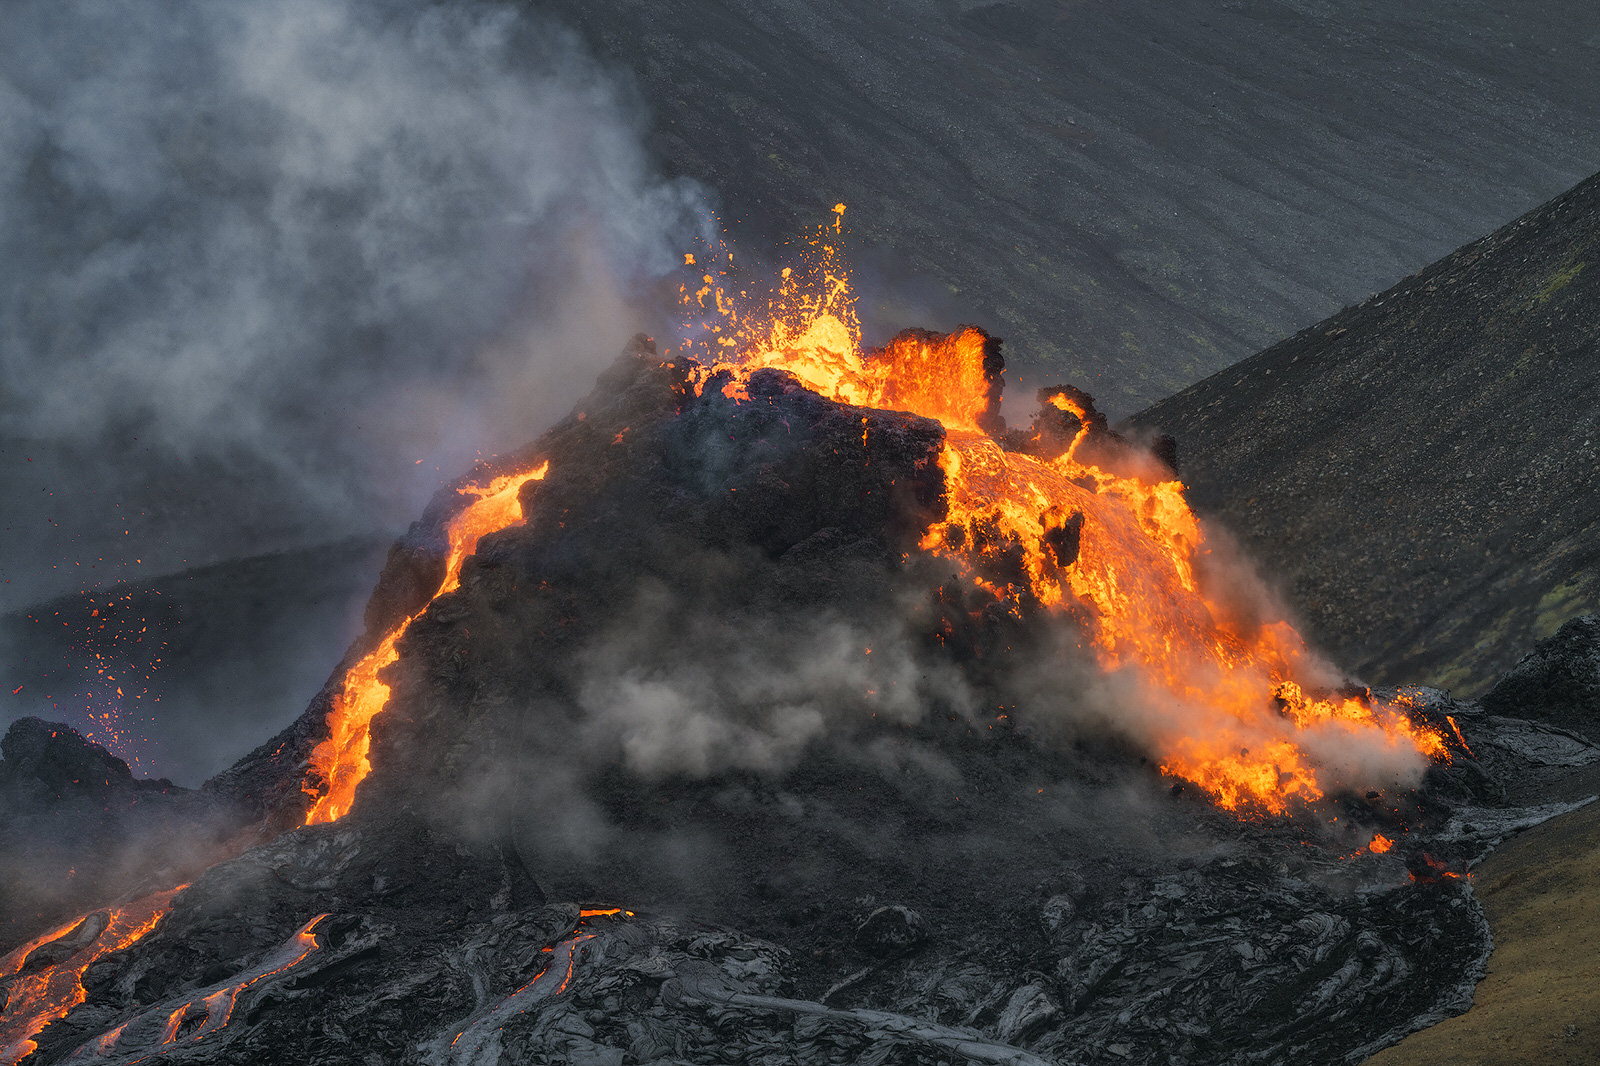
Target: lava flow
(160,1030)
(484,1031)
(1109,539)
(37,996)
(338,764)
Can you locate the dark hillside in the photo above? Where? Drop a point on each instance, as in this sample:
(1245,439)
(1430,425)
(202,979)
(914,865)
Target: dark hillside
(1422,473)
(1133,195)
(185,672)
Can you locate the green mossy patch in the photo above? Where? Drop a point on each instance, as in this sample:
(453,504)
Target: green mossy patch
(1558,281)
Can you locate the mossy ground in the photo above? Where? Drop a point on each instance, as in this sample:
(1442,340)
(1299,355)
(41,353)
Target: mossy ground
(1540,1001)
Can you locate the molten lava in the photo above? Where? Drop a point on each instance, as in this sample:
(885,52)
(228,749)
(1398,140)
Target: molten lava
(36,997)
(1428,870)
(338,764)
(552,980)
(1223,704)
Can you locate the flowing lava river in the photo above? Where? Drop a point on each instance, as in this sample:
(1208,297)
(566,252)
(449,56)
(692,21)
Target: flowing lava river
(1232,706)
(37,996)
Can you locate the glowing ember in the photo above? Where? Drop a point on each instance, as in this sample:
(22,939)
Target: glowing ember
(340,763)
(1380,844)
(117,641)
(1223,703)
(37,998)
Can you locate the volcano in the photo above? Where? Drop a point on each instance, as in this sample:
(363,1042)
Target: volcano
(783,704)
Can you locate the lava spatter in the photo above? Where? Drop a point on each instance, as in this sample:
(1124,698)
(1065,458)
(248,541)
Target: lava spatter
(1228,707)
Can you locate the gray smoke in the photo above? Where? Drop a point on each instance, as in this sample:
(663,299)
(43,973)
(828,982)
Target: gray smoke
(334,247)
(269,274)
(680,691)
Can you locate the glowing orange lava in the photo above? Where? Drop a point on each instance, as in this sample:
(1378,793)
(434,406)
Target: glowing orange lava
(1432,871)
(1222,704)
(37,998)
(548,982)
(338,764)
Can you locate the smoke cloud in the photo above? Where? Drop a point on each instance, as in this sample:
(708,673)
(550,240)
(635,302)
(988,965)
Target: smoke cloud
(333,247)
(690,692)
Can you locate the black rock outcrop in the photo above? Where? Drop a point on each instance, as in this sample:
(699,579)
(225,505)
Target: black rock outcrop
(44,763)
(1557,682)
(77,829)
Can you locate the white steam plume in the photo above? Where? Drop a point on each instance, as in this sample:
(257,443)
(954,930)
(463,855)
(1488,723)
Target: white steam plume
(681,690)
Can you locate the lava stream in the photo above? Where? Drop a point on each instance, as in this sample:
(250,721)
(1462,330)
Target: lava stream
(338,764)
(479,1039)
(159,1030)
(37,998)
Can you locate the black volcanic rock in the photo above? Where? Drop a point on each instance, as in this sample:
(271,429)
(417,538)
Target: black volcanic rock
(45,763)
(1557,682)
(1421,474)
(890,931)
(77,829)
(762,509)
